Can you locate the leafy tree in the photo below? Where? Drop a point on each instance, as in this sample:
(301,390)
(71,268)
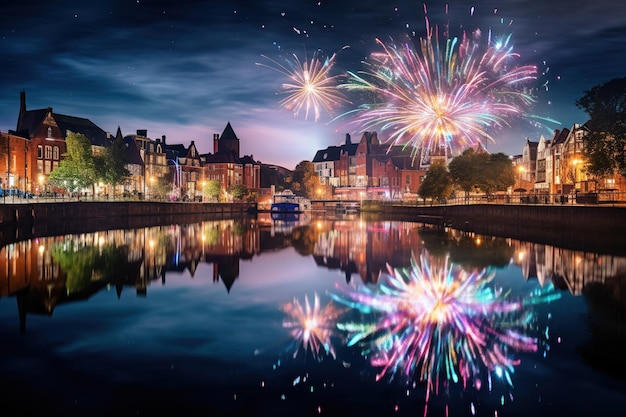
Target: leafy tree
(497,174)
(605,146)
(437,183)
(238,191)
(77,170)
(465,170)
(212,190)
(112,163)
(305,180)
(161,186)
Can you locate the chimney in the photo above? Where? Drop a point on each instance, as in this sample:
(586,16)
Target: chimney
(163,137)
(216,137)
(22,101)
(142,132)
(348,141)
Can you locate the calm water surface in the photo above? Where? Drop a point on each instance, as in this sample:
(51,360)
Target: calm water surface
(315,317)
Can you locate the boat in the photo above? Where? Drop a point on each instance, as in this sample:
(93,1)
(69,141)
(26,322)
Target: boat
(287,202)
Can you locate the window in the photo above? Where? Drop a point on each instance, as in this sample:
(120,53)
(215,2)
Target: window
(55,153)
(49,132)
(47,167)
(39,151)
(408,180)
(40,166)
(48,154)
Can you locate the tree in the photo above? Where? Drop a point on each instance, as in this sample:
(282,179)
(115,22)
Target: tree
(437,183)
(111,165)
(465,170)
(77,170)
(605,145)
(497,174)
(305,181)
(212,190)
(238,191)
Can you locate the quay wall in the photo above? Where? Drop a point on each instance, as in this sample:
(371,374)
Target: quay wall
(596,228)
(95,211)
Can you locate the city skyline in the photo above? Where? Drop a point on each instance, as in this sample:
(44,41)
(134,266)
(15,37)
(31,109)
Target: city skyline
(185,70)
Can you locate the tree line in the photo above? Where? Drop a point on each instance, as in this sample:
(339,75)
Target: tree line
(471,171)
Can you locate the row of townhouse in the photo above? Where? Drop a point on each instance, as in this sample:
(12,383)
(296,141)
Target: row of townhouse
(36,148)
(556,166)
(369,169)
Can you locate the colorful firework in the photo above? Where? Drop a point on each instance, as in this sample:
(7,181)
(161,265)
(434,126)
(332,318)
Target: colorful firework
(450,96)
(310,86)
(311,326)
(438,324)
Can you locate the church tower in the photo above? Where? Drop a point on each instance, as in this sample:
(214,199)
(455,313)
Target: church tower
(228,142)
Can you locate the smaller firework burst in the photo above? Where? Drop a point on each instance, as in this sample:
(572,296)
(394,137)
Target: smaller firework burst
(312,326)
(310,85)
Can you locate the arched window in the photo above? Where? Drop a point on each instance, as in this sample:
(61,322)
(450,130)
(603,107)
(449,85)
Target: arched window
(55,153)
(49,132)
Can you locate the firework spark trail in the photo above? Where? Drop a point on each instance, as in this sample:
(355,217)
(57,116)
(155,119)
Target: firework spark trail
(443,96)
(312,326)
(310,86)
(437,324)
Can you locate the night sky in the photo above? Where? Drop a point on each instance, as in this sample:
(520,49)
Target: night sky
(185,68)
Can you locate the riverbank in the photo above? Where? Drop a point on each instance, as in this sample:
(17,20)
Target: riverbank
(600,228)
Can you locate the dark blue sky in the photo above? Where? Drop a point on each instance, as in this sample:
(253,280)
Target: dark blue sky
(186,68)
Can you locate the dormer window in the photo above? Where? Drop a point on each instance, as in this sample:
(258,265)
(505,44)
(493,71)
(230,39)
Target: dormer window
(49,132)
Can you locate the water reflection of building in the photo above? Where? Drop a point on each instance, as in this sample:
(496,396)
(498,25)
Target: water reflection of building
(47,271)
(568,269)
(366,248)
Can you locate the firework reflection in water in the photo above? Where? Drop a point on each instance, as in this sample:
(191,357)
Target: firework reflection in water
(312,326)
(439,324)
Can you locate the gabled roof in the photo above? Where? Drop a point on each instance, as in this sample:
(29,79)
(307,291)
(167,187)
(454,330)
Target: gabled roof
(134,157)
(332,153)
(560,136)
(175,151)
(29,121)
(97,136)
(228,133)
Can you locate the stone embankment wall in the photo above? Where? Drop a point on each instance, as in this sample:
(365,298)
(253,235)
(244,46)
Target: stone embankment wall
(597,228)
(80,211)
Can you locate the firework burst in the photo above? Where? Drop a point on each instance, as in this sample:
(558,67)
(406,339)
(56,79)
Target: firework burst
(311,326)
(438,324)
(310,86)
(448,95)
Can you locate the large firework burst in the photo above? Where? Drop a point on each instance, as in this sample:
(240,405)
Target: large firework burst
(438,324)
(311,86)
(311,326)
(448,95)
